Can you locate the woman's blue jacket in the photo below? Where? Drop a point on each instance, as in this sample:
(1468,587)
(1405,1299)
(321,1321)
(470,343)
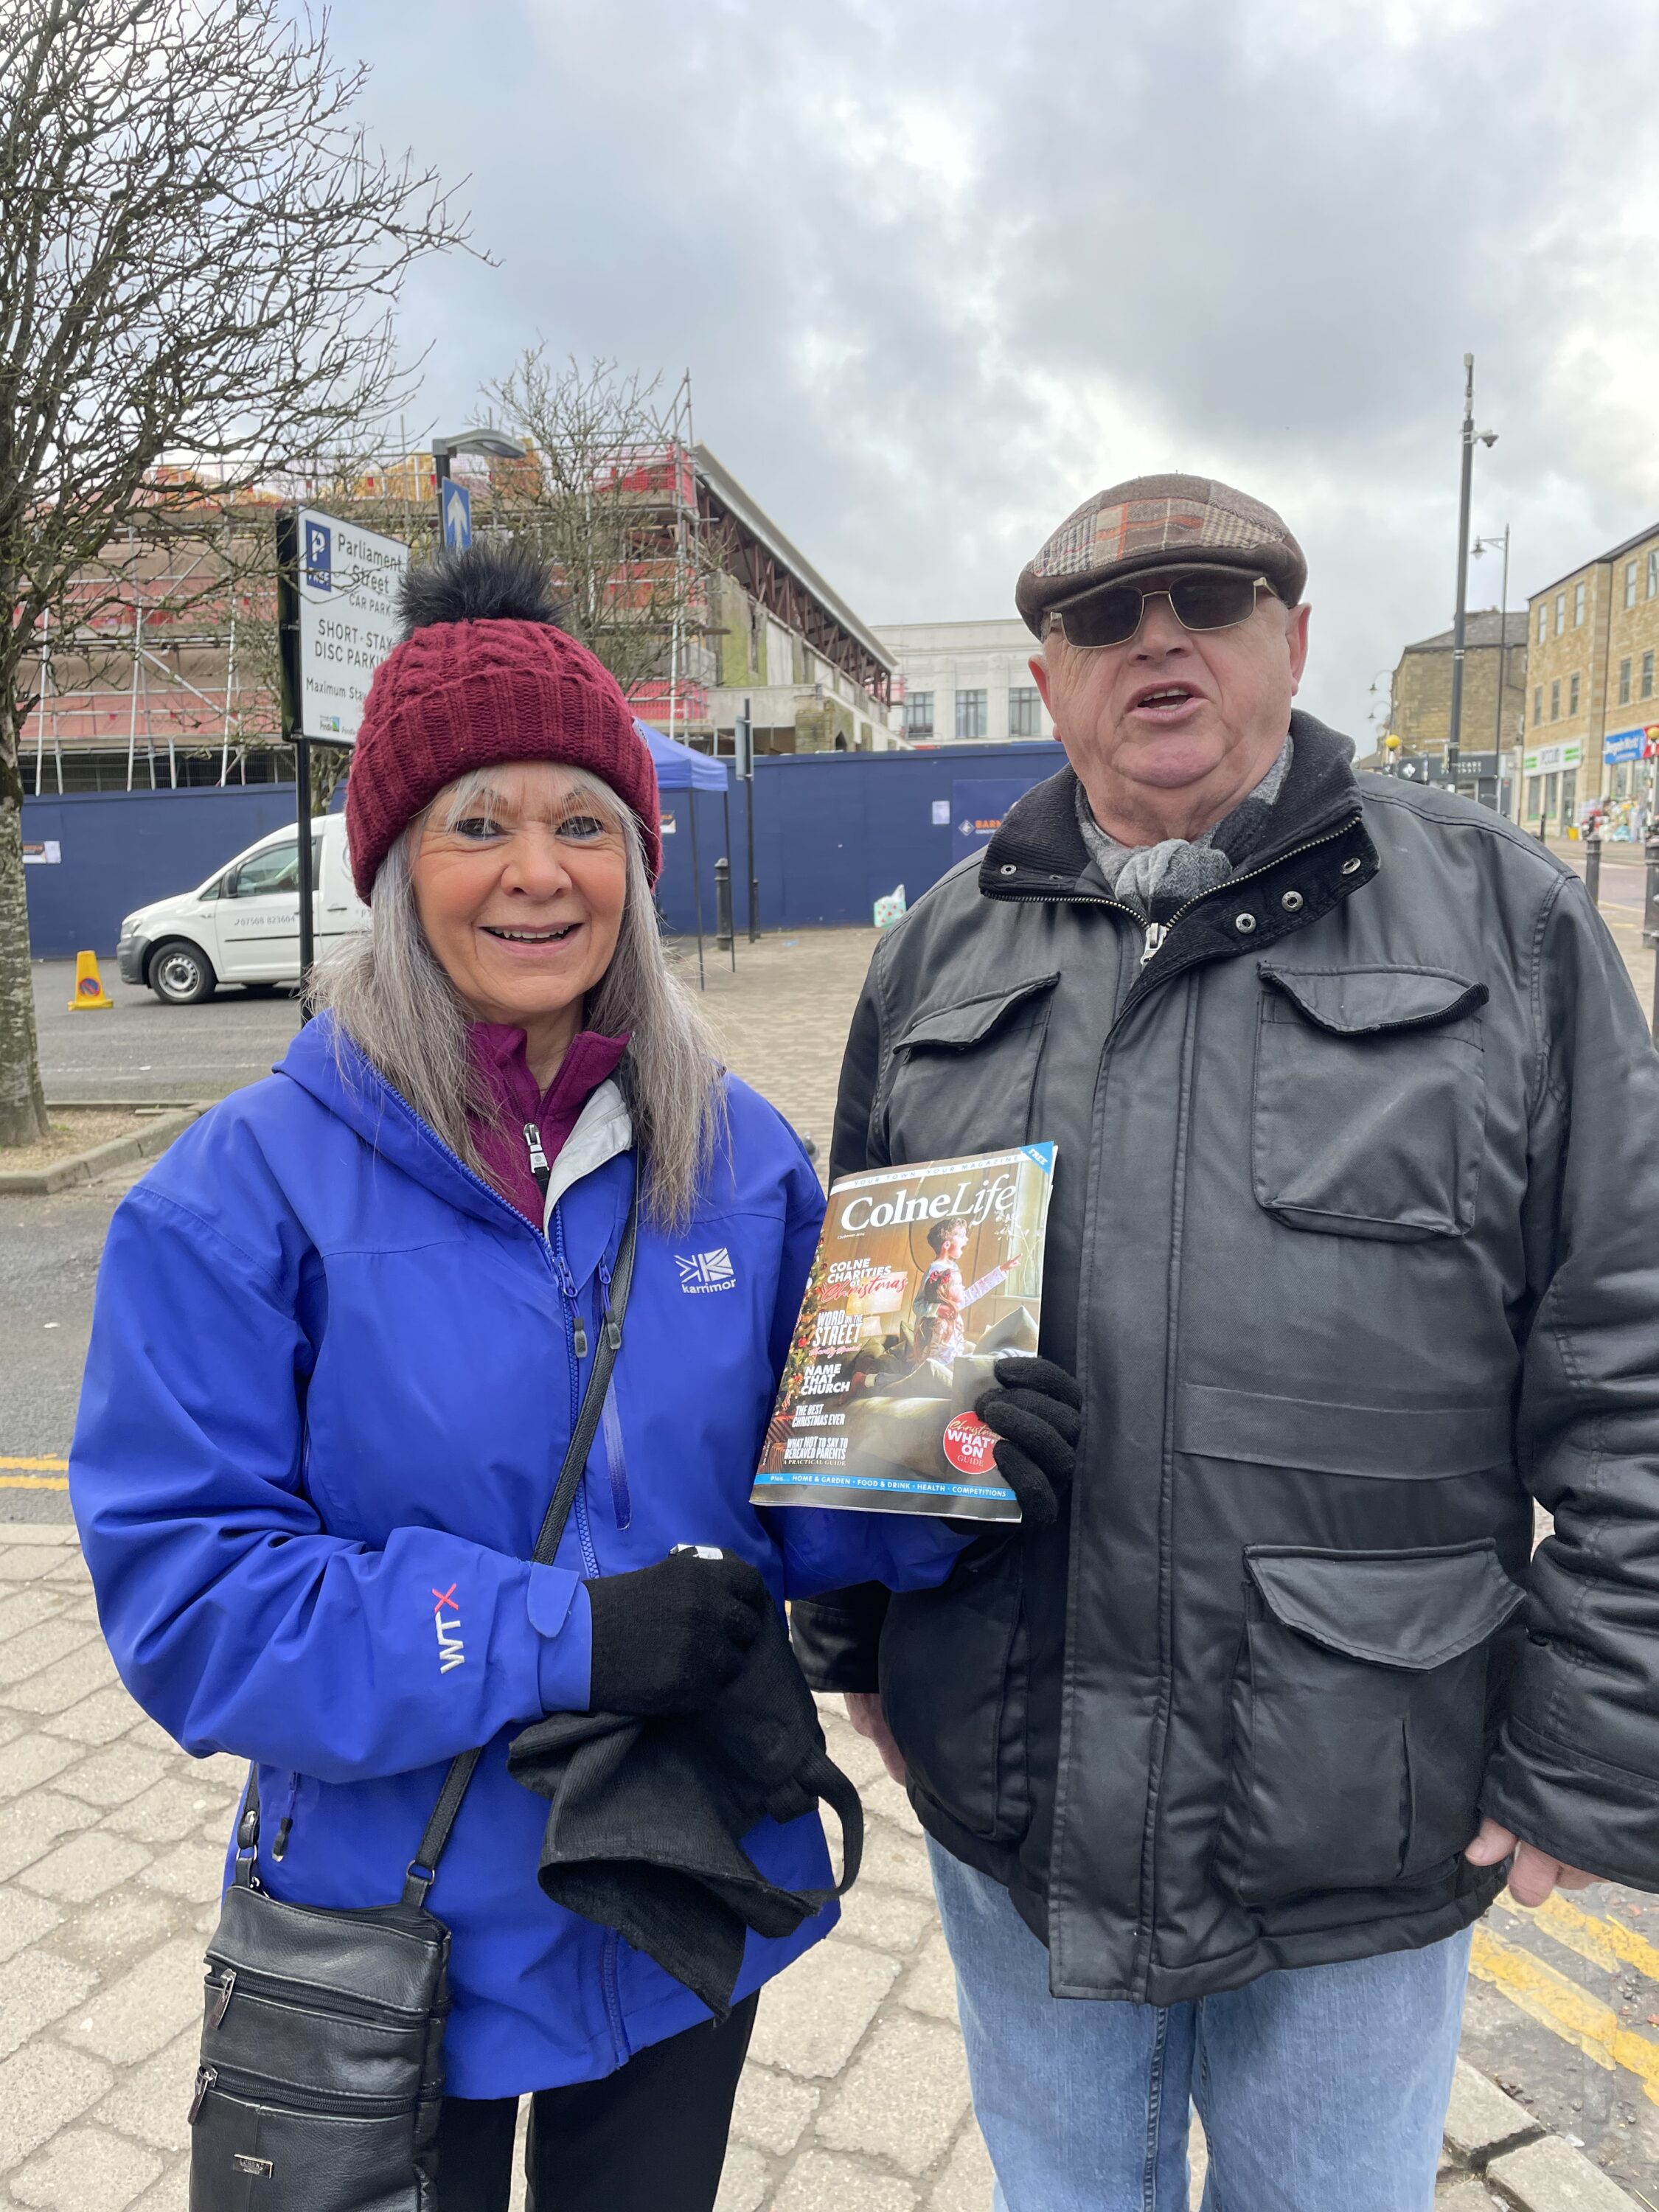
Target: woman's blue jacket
(331,1379)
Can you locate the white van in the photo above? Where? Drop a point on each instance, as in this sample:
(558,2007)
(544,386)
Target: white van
(242,926)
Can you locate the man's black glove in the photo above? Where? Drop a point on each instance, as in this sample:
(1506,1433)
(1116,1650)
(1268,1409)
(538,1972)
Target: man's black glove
(668,1639)
(1037,1409)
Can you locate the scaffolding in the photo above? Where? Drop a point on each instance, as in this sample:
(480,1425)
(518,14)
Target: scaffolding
(166,674)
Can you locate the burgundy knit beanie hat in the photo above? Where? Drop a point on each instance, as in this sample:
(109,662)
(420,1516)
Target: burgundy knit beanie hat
(485,676)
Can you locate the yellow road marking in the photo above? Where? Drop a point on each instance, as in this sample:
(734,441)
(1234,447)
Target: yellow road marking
(1607,1943)
(43,1475)
(1561,2005)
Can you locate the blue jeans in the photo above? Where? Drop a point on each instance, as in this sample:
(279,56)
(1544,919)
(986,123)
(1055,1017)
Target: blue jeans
(1321,2087)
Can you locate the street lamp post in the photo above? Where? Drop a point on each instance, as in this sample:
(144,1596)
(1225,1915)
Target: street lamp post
(1485,545)
(1486,438)
(494,443)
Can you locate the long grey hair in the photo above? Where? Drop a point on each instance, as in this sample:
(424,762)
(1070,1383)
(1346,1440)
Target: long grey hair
(390,997)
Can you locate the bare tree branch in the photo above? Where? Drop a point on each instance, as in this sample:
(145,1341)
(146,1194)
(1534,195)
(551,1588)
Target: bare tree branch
(595,500)
(201,256)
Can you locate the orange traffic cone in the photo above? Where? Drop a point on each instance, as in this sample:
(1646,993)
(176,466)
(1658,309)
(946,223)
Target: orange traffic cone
(88,984)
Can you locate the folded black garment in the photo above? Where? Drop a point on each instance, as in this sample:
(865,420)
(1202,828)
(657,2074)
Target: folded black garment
(648,1816)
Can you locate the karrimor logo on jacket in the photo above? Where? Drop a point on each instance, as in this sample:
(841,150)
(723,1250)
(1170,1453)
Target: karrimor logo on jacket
(706,1272)
(451,1652)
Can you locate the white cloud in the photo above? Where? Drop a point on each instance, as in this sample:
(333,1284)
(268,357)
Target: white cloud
(940,267)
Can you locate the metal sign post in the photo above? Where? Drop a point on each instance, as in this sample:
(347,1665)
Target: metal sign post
(336,620)
(745,766)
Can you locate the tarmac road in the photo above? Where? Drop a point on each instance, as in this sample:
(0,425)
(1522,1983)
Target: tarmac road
(146,1051)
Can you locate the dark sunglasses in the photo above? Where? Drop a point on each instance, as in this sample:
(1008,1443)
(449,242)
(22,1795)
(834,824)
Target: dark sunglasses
(1111,615)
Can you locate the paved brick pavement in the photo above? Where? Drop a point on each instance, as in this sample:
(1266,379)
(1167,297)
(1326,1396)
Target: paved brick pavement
(855,2100)
(781,1019)
(111,1842)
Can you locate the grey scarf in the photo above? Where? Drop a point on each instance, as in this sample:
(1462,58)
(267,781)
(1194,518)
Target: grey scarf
(1182,868)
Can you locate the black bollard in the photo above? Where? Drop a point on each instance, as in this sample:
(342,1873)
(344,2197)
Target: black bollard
(723,904)
(1651,905)
(1593,866)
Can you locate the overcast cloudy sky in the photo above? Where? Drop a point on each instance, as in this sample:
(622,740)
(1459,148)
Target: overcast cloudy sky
(940,268)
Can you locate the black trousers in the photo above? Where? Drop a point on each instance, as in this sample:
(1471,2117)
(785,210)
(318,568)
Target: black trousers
(651,2137)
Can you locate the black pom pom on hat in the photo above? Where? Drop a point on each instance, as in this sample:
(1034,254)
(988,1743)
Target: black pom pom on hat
(494,580)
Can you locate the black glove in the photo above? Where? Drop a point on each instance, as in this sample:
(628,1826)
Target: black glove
(1037,1409)
(668,1639)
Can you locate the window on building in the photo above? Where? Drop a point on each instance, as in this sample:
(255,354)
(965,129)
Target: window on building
(919,714)
(1572,693)
(1555,699)
(1543,620)
(970,714)
(1623,682)
(1647,674)
(1560,612)
(1653,573)
(1629,583)
(1537,704)
(1578,606)
(1024,711)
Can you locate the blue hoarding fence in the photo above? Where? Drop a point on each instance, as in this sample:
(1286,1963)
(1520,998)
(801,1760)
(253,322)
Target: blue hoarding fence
(833,833)
(116,850)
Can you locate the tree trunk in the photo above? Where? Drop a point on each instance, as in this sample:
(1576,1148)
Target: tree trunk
(22,1101)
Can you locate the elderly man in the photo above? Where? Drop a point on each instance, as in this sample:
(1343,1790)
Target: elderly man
(1354,1254)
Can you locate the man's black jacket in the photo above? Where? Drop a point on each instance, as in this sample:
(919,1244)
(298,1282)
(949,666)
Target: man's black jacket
(1354,1249)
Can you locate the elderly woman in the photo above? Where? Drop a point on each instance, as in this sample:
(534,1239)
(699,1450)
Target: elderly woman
(342,1329)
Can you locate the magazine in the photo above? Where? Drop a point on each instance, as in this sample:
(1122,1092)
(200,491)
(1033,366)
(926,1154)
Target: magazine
(923,1275)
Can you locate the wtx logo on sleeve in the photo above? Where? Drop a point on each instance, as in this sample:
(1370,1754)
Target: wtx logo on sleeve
(318,558)
(451,1652)
(706,1272)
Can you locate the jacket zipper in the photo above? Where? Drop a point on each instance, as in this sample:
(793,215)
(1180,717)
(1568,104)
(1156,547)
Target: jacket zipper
(578,1353)
(1155,935)
(552,1251)
(615,1459)
(567,1284)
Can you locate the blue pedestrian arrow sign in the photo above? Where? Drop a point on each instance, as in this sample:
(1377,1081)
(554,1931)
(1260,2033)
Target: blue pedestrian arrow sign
(455,505)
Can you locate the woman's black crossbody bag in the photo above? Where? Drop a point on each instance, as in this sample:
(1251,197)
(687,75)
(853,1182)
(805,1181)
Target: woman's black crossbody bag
(322,2064)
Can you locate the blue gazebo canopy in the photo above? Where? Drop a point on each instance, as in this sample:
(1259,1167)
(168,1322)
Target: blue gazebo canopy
(679,768)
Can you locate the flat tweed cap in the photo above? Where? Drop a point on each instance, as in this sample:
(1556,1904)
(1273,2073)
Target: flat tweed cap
(1160,522)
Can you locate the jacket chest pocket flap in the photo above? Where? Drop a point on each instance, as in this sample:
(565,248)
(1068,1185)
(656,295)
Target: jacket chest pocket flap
(1359,1716)
(1370,1106)
(960,1076)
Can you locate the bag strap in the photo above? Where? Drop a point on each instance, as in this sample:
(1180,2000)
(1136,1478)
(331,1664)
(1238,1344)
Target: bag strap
(424,1866)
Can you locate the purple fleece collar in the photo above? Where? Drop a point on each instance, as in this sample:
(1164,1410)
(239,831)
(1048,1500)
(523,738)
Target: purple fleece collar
(498,1055)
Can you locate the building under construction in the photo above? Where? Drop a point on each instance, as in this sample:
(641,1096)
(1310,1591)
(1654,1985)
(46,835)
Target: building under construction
(168,677)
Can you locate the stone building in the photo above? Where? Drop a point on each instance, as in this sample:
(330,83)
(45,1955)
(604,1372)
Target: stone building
(814,677)
(1419,704)
(966,680)
(1592,684)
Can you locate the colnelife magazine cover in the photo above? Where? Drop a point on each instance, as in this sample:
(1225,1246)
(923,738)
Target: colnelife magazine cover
(923,1274)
